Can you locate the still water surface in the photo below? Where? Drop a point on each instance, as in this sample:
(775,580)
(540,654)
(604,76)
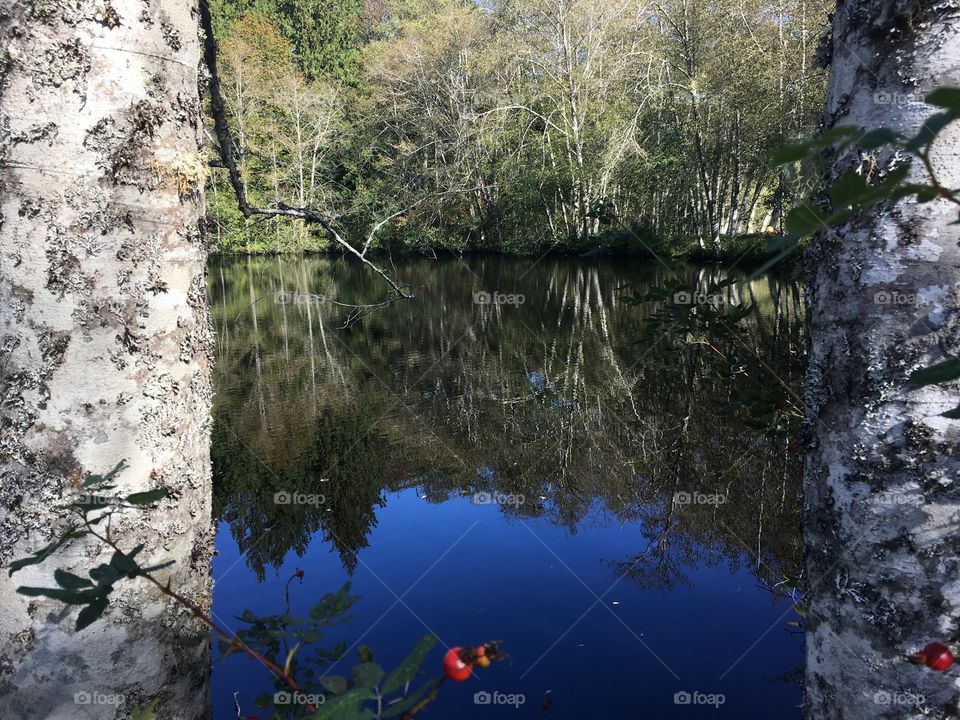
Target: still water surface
(610,487)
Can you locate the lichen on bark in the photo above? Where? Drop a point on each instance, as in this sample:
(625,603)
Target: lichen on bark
(105,344)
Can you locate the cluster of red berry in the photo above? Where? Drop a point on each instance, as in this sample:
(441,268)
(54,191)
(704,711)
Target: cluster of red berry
(459,662)
(935,656)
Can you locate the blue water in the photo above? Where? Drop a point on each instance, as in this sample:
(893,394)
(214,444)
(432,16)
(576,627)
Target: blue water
(611,599)
(468,574)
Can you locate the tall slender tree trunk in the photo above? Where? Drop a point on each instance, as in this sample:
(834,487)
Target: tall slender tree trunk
(883,474)
(104,345)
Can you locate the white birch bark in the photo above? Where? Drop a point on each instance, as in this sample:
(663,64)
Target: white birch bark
(104,344)
(882,483)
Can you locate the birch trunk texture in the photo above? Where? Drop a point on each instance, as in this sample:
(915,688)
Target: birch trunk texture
(882,483)
(105,345)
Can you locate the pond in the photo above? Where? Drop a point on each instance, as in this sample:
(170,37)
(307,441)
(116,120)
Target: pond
(593,461)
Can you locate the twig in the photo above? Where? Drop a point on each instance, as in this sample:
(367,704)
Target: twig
(202,616)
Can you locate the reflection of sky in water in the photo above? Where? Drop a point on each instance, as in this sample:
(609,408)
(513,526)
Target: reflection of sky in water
(535,586)
(489,403)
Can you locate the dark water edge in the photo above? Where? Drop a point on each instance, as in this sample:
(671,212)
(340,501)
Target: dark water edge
(745,252)
(617,582)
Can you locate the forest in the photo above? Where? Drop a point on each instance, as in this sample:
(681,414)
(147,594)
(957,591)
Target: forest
(372,359)
(517,125)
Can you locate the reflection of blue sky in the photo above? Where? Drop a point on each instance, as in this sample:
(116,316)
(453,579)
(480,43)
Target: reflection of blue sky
(506,579)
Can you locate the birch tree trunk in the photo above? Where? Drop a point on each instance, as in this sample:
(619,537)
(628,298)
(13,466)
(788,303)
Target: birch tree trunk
(104,345)
(883,475)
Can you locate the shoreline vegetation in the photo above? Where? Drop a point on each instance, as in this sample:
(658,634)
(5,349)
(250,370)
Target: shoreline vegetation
(749,251)
(514,126)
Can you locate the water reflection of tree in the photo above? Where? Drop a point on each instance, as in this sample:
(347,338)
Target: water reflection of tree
(560,400)
(342,461)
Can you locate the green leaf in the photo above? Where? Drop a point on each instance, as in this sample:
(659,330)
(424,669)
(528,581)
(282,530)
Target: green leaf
(408,702)
(147,713)
(880,137)
(70,581)
(804,220)
(91,612)
(348,706)
(148,497)
(849,189)
(367,675)
(940,373)
(337,684)
(798,151)
(334,605)
(407,670)
(791,153)
(946,97)
(365,654)
(930,129)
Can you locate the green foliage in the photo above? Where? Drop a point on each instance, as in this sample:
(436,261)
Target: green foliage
(852,193)
(501,129)
(267,638)
(335,695)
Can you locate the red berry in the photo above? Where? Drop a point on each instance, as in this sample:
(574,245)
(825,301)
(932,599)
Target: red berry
(936,656)
(454,668)
(480,651)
